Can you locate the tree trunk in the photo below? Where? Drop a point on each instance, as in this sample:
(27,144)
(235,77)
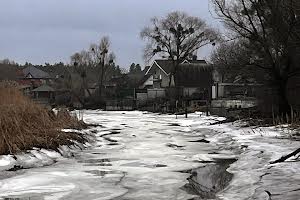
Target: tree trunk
(101,81)
(85,85)
(79,99)
(102,67)
(174,77)
(176,66)
(284,107)
(100,85)
(284,158)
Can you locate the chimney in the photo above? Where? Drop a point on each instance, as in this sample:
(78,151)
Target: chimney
(195,56)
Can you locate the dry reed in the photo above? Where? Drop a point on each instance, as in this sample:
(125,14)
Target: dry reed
(24,124)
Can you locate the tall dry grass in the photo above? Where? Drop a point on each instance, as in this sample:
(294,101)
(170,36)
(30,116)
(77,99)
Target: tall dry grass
(24,124)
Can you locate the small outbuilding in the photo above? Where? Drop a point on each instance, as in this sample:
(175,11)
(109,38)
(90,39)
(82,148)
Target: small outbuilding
(44,92)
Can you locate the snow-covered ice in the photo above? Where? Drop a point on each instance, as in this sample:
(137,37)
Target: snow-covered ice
(140,155)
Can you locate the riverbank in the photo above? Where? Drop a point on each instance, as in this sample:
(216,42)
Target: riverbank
(25,124)
(32,135)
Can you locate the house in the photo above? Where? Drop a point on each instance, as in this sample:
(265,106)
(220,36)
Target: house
(37,83)
(194,79)
(44,94)
(33,76)
(32,72)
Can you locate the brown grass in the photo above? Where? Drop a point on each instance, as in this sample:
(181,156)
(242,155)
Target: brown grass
(24,124)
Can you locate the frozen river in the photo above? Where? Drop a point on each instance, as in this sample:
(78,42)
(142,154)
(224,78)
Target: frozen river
(135,156)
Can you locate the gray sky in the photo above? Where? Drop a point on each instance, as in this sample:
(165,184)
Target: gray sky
(40,31)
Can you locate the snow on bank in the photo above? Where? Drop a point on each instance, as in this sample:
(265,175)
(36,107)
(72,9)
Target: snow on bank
(254,148)
(253,173)
(40,157)
(32,158)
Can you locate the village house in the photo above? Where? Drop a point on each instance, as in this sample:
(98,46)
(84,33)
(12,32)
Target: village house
(37,84)
(194,81)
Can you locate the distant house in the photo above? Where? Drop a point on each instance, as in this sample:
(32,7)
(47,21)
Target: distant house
(32,72)
(44,94)
(37,83)
(194,79)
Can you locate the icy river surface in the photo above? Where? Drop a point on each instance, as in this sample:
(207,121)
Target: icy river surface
(134,156)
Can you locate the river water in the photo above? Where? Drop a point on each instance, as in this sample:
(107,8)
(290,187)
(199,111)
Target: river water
(134,155)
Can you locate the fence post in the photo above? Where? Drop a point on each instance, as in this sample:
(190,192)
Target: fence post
(207,113)
(186,111)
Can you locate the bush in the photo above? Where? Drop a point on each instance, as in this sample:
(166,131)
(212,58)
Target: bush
(24,124)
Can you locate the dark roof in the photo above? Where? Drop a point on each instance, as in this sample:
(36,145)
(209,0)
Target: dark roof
(44,88)
(194,62)
(194,75)
(146,69)
(35,72)
(167,65)
(195,66)
(55,71)
(145,78)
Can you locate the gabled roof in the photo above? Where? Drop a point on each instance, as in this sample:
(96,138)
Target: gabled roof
(144,79)
(194,62)
(44,88)
(164,65)
(145,69)
(35,73)
(194,73)
(167,65)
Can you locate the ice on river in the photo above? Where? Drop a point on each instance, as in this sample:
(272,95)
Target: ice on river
(138,155)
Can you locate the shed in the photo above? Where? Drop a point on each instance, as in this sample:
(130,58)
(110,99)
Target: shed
(44,91)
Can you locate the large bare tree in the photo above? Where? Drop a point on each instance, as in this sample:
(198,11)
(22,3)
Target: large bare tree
(100,57)
(177,37)
(81,63)
(77,79)
(270,27)
(231,59)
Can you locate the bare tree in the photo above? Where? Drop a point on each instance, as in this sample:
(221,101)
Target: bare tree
(231,60)
(177,37)
(81,62)
(98,57)
(102,58)
(270,27)
(7,61)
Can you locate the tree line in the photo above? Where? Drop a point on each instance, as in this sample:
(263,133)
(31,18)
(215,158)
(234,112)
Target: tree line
(260,36)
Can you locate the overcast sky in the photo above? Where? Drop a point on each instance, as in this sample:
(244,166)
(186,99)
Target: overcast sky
(40,31)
